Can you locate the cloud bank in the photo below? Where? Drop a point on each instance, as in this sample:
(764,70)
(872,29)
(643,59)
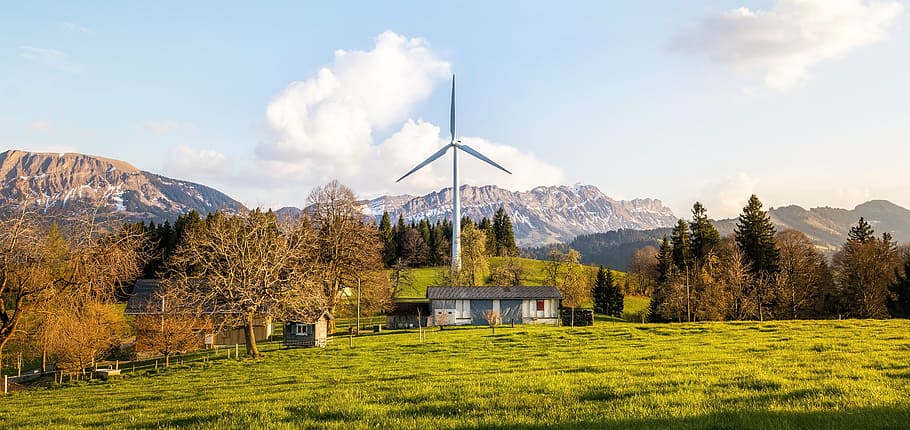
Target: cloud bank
(325,127)
(785,42)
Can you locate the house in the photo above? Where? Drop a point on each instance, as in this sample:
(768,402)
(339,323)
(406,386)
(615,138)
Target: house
(519,305)
(307,334)
(143,304)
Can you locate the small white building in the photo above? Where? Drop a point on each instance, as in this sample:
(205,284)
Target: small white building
(519,305)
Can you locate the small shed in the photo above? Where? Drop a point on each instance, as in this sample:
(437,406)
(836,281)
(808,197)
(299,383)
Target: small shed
(407,315)
(306,334)
(518,305)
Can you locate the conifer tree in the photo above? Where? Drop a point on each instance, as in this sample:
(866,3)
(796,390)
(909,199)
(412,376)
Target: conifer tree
(862,232)
(615,297)
(755,238)
(389,251)
(505,236)
(599,292)
(682,246)
(704,236)
(899,303)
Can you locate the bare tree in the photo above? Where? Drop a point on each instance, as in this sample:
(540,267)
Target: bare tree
(473,253)
(512,273)
(346,247)
(493,319)
(243,267)
(169,325)
(800,277)
(643,268)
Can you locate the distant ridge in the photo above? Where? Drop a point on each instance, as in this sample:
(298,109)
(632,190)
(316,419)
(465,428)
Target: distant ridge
(70,183)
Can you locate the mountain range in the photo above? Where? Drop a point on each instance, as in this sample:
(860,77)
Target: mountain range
(69,184)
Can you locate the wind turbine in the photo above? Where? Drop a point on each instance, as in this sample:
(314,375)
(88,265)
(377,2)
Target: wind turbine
(455,145)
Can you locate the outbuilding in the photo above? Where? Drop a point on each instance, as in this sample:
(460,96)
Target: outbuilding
(306,334)
(518,305)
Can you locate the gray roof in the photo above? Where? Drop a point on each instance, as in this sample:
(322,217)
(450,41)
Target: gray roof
(138,303)
(449,293)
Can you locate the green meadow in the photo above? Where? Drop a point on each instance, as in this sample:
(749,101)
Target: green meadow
(776,375)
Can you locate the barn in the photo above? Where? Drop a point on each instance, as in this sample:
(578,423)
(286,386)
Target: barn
(518,305)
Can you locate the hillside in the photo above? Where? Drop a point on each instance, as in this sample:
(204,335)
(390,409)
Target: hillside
(69,184)
(828,227)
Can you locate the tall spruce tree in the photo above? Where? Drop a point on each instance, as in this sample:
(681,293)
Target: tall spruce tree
(615,298)
(862,232)
(505,236)
(600,293)
(389,248)
(681,242)
(755,238)
(704,236)
(899,303)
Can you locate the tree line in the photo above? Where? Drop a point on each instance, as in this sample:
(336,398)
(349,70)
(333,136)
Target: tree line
(425,244)
(761,274)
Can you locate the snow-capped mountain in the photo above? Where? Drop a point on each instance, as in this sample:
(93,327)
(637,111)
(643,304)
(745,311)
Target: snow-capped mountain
(67,184)
(539,216)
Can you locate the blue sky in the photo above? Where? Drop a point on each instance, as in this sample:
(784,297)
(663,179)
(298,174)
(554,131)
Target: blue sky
(800,101)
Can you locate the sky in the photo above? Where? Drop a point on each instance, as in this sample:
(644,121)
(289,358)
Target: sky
(801,102)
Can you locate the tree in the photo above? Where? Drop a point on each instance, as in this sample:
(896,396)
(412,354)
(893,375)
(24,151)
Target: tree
(512,273)
(704,236)
(801,277)
(899,304)
(389,248)
(505,236)
(603,283)
(864,270)
(683,259)
(243,267)
(755,238)
(754,234)
(168,325)
(643,266)
(862,232)
(347,248)
(615,299)
(473,254)
(493,319)
(564,272)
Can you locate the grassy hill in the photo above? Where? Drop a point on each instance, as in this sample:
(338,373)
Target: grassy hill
(535,274)
(746,375)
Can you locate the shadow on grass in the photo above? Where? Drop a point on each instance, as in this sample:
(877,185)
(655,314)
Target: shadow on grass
(882,418)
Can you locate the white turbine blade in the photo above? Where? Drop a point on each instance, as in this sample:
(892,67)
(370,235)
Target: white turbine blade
(452,112)
(427,161)
(468,149)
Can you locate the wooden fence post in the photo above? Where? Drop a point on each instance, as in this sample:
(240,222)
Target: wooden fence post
(5,384)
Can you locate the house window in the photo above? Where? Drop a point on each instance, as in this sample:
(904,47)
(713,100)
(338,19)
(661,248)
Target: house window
(300,329)
(540,305)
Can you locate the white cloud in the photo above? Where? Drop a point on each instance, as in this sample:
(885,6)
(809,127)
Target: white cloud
(725,198)
(785,42)
(186,162)
(49,57)
(324,127)
(39,126)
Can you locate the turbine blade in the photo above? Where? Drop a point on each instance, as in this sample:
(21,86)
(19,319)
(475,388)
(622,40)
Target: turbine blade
(482,157)
(452,112)
(427,161)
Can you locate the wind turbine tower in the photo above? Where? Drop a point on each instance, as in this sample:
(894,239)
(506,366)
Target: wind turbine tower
(455,145)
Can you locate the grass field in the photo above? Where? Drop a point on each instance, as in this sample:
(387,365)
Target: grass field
(790,375)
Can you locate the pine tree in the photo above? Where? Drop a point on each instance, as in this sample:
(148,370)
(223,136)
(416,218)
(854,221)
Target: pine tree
(664,261)
(899,302)
(861,232)
(682,246)
(704,236)
(505,236)
(615,297)
(599,292)
(487,227)
(755,238)
(389,251)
